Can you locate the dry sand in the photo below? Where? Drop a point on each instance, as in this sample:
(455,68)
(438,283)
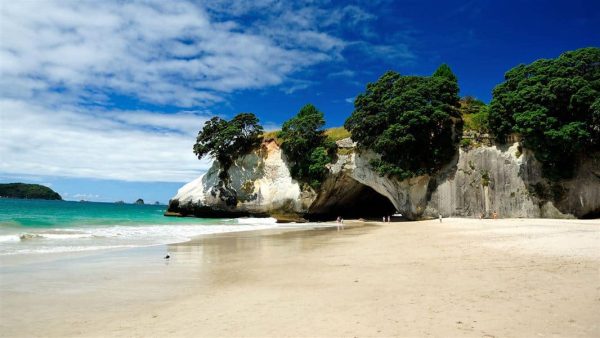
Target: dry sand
(463,277)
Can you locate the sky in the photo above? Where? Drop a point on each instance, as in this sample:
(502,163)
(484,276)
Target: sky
(102,100)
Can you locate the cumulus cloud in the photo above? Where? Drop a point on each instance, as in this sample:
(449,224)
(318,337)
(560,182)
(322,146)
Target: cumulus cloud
(130,146)
(66,66)
(159,52)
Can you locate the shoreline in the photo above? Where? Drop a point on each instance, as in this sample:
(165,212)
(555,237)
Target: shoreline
(518,277)
(15,258)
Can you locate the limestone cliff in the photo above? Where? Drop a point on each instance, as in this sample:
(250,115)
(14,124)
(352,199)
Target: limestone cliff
(479,181)
(508,180)
(260,185)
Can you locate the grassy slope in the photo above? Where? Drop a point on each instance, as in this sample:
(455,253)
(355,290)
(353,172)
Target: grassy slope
(333,134)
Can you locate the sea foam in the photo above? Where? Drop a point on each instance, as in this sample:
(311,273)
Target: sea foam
(120,236)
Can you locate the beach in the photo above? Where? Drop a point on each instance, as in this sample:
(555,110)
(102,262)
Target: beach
(457,278)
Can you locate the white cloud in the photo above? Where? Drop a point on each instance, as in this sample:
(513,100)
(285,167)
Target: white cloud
(350,100)
(59,57)
(183,122)
(65,64)
(159,52)
(84,197)
(396,53)
(342,73)
(130,146)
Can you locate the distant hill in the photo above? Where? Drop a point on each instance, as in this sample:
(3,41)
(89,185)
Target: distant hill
(28,191)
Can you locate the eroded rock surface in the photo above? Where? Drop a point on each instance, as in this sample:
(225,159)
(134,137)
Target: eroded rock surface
(478,182)
(259,184)
(508,180)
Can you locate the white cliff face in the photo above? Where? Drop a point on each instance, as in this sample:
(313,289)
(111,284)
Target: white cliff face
(261,181)
(506,181)
(479,181)
(193,192)
(487,180)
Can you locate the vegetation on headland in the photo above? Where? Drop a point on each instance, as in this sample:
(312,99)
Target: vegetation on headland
(554,104)
(227,140)
(28,191)
(415,122)
(408,121)
(272,135)
(332,134)
(306,146)
(337,133)
(475,114)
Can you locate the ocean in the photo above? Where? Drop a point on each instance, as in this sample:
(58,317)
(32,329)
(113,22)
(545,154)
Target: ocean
(40,227)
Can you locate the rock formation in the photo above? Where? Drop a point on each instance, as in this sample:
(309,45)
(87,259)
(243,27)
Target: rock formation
(260,185)
(478,182)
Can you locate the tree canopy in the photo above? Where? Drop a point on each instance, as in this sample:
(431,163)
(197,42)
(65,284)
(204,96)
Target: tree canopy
(306,146)
(555,105)
(227,140)
(408,120)
(445,71)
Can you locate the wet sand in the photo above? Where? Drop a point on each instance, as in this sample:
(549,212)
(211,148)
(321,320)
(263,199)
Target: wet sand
(463,277)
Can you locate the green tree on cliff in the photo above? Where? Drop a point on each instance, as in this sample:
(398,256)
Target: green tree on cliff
(227,140)
(408,120)
(554,104)
(306,146)
(445,71)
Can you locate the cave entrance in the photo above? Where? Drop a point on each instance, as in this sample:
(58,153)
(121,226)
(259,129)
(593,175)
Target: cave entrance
(592,215)
(351,201)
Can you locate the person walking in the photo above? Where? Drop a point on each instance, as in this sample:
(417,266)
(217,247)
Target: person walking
(440,215)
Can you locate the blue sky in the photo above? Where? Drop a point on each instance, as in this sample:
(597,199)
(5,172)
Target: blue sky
(102,100)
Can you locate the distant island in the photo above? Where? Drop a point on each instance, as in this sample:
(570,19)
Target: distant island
(28,191)
(139,201)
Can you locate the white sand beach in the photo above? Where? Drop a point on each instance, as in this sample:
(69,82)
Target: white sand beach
(458,278)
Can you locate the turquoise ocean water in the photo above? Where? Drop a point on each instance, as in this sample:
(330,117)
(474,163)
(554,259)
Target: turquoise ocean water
(39,226)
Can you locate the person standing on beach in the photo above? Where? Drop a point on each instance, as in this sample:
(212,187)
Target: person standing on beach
(440,215)
(495,215)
